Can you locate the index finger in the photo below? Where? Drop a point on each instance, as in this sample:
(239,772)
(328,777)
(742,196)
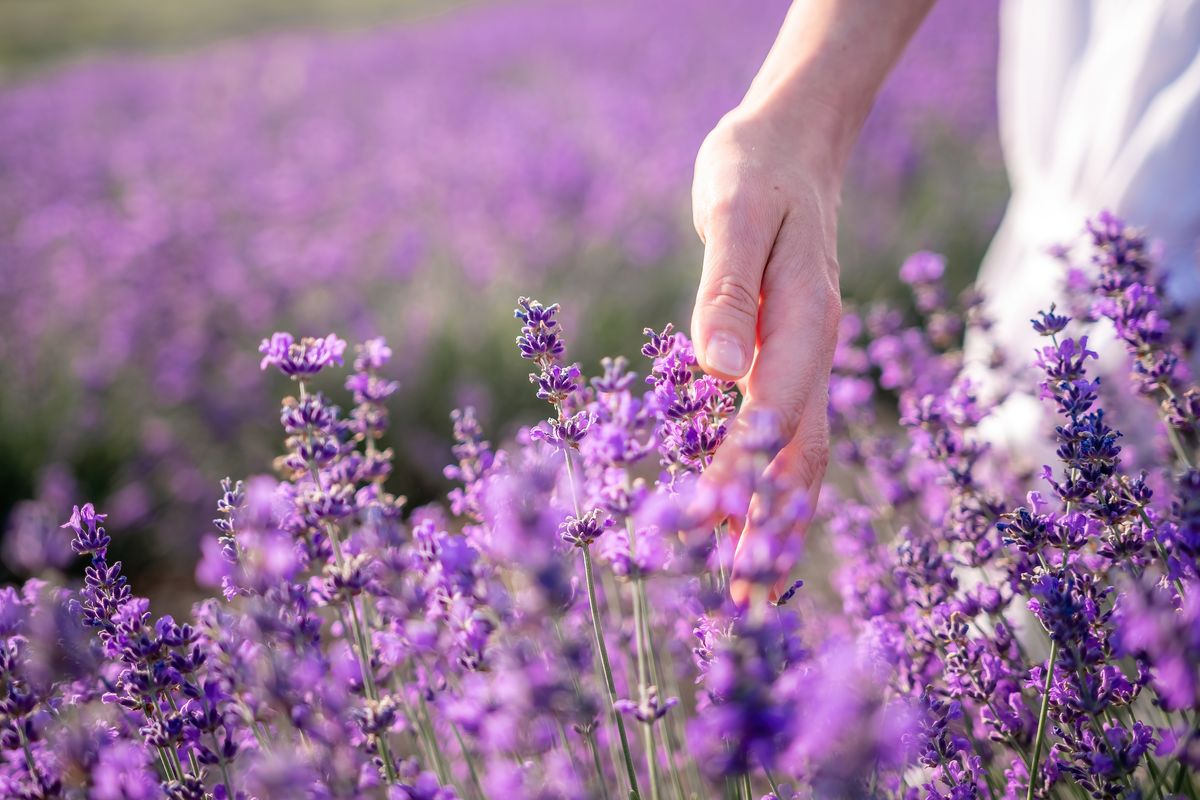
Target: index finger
(798,333)
(737,243)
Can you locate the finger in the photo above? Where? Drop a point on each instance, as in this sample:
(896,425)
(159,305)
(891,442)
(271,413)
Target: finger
(738,240)
(773,537)
(798,326)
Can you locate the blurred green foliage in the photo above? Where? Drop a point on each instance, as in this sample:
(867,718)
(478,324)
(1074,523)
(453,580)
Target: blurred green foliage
(38,33)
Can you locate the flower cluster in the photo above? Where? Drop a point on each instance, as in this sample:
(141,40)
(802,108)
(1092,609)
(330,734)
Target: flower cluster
(557,629)
(693,407)
(302,359)
(1024,628)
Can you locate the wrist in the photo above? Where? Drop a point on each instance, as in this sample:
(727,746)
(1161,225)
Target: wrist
(810,133)
(819,80)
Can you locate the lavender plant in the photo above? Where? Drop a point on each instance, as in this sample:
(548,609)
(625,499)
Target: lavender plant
(560,627)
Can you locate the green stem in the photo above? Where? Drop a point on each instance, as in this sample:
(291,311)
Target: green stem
(439,760)
(651,757)
(1041,727)
(672,733)
(990,783)
(417,726)
(1156,786)
(656,675)
(224,765)
(1184,781)
(771,781)
(254,725)
(640,630)
(192,761)
(462,746)
(591,740)
(566,745)
(168,754)
(609,683)
(1177,445)
(164,763)
(364,660)
(601,647)
(645,641)
(30,764)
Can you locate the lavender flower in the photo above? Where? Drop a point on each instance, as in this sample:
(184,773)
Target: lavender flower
(583,531)
(556,631)
(303,358)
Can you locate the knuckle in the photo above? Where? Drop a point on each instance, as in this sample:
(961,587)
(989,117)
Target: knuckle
(727,206)
(730,295)
(818,285)
(813,457)
(790,416)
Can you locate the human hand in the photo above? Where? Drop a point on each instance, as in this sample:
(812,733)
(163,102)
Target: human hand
(767,309)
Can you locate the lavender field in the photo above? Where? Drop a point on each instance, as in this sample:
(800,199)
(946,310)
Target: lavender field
(562,626)
(295,504)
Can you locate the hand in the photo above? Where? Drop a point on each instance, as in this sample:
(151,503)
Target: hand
(768,305)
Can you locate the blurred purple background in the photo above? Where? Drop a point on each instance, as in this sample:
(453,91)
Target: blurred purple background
(160,213)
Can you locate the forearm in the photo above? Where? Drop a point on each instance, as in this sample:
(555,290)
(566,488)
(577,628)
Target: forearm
(819,80)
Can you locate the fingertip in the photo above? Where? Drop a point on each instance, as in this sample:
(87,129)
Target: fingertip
(781,586)
(726,355)
(740,591)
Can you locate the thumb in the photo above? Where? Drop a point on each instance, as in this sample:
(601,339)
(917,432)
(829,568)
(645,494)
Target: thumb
(725,318)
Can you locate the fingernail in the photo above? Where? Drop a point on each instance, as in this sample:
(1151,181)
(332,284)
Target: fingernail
(725,354)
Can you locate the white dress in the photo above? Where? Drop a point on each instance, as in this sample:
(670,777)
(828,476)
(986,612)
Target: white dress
(1099,104)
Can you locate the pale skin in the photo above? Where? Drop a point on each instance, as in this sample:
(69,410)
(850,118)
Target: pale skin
(765,202)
